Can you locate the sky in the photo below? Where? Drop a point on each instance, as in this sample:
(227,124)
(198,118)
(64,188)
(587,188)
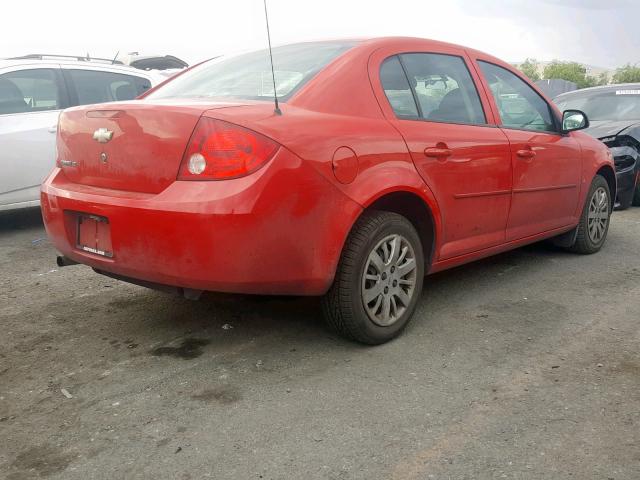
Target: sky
(602,33)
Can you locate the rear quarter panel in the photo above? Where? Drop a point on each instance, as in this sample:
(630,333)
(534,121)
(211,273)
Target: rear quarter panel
(384,164)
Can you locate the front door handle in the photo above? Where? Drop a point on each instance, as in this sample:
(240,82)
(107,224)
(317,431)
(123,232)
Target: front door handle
(526,153)
(440,151)
(52,129)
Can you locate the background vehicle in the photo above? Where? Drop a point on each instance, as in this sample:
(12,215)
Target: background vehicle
(163,65)
(388,159)
(33,91)
(614,113)
(154,62)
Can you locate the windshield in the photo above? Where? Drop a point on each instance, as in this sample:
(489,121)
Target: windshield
(249,77)
(623,104)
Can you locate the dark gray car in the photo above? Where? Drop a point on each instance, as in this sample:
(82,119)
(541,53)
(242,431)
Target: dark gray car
(614,116)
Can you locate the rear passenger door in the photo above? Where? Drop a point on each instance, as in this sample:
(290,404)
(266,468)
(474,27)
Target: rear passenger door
(30,101)
(100,86)
(463,158)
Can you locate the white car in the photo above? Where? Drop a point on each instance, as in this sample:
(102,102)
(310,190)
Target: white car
(33,91)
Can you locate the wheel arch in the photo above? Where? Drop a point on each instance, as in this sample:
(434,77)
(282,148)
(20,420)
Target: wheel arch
(415,208)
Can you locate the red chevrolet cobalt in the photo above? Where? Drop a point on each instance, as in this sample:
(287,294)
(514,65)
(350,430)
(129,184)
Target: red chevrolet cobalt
(387,159)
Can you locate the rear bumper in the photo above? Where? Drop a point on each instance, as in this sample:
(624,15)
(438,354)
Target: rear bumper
(277,231)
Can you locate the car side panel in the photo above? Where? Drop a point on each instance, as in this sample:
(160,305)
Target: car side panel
(384,164)
(546,185)
(27,147)
(27,154)
(314,129)
(473,185)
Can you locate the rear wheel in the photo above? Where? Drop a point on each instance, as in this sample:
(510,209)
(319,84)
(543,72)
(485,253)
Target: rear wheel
(378,281)
(594,221)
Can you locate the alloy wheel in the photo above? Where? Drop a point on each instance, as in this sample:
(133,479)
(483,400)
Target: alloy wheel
(598,215)
(389,280)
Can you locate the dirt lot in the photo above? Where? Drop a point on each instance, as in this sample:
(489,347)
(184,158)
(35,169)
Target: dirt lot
(523,366)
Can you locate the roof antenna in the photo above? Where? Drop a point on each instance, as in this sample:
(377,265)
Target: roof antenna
(114,58)
(273,73)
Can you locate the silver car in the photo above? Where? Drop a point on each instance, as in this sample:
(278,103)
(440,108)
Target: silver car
(33,91)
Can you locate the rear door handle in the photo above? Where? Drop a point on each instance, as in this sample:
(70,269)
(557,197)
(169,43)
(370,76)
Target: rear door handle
(526,153)
(440,151)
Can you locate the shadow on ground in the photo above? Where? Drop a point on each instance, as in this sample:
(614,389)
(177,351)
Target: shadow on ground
(20,220)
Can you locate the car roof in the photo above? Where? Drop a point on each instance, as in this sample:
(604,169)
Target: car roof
(424,44)
(84,64)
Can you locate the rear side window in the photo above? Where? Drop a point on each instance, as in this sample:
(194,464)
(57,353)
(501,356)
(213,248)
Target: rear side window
(249,76)
(396,88)
(92,86)
(519,105)
(441,86)
(29,91)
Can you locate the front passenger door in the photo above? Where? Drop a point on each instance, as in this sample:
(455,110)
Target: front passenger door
(546,164)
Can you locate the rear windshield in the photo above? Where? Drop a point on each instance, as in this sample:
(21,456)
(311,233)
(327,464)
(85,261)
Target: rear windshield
(249,77)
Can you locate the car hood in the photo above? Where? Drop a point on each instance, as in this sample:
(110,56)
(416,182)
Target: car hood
(609,128)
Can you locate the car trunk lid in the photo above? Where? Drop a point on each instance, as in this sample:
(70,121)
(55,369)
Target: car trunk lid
(135,146)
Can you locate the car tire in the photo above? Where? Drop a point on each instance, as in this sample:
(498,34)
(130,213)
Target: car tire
(595,219)
(378,280)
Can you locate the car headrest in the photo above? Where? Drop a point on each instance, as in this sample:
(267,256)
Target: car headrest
(9,91)
(452,101)
(126,92)
(11,98)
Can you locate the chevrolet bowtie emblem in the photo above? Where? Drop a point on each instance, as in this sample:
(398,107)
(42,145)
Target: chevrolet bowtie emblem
(102,135)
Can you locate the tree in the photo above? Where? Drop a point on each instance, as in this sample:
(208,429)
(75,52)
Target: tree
(570,71)
(627,74)
(603,79)
(530,68)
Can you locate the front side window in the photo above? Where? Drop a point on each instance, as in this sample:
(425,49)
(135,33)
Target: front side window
(94,86)
(440,87)
(519,105)
(27,91)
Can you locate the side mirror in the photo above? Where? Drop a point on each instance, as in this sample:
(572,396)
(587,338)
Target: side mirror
(573,120)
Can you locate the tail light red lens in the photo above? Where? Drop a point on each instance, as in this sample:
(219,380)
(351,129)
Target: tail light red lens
(220,150)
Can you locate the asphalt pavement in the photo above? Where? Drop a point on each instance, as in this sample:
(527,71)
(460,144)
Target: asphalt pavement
(522,366)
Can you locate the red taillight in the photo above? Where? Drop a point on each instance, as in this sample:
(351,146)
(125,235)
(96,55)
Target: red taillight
(220,150)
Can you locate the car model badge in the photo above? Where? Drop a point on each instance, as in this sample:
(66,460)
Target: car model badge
(103,157)
(102,135)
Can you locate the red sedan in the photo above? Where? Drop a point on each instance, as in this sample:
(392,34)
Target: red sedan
(388,159)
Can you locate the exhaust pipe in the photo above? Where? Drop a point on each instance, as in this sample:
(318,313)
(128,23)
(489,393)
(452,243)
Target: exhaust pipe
(63,261)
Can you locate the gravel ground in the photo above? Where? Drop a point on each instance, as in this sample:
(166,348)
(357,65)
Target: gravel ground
(522,366)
